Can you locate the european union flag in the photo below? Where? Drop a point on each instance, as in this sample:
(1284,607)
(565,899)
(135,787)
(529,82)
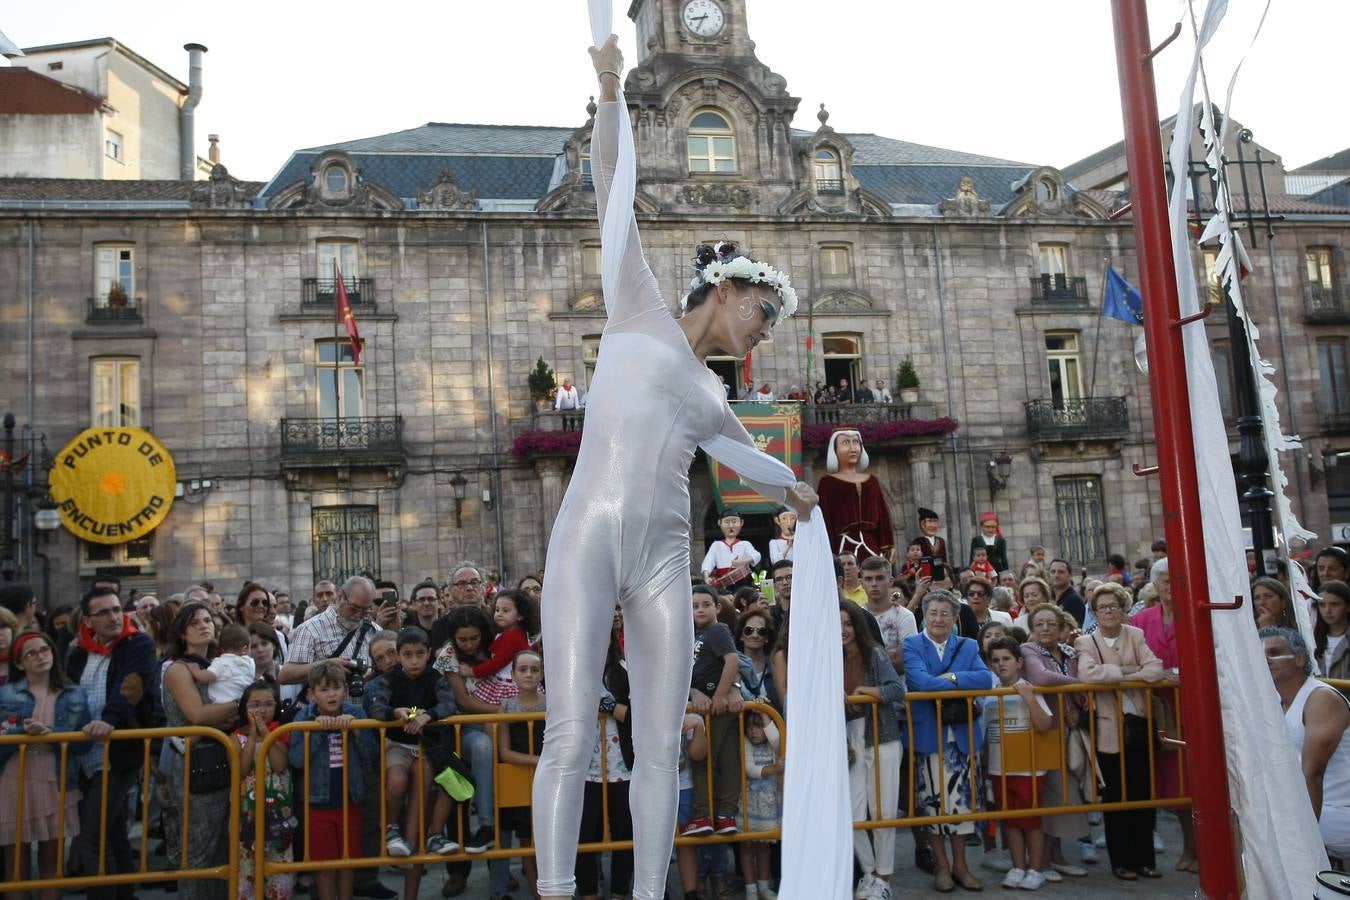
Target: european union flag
(1122,300)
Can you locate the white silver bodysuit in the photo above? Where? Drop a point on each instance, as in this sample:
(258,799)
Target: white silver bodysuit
(623,533)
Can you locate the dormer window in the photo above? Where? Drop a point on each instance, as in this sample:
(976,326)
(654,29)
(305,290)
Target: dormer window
(712,143)
(335,179)
(585,158)
(1046,190)
(828,172)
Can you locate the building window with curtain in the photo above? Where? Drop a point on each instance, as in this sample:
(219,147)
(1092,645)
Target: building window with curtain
(834,260)
(829,174)
(114,275)
(590,355)
(590,260)
(1054,272)
(340,381)
(1064,365)
(1331,369)
(712,143)
(1081,519)
(115,393)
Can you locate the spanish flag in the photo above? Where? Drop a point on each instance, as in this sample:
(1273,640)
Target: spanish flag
(344,314)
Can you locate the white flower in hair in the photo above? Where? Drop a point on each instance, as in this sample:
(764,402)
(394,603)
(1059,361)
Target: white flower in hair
(715,272)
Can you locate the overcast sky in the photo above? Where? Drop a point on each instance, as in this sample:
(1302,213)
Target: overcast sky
(1028,80)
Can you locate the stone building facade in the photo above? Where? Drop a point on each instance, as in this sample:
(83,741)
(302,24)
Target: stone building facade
(469,252)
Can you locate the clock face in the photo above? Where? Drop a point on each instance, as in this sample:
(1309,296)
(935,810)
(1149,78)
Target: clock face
(703,17)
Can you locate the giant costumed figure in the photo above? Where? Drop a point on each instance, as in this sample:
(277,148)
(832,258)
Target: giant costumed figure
(623,529)
(854,505)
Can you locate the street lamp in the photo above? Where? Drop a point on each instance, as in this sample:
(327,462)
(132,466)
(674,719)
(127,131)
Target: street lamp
(458,482)
(999,470)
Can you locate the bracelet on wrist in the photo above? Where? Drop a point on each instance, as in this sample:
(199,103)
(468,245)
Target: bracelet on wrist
(603,72)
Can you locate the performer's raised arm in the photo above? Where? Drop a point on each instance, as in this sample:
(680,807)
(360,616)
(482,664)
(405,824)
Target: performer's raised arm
(637,288)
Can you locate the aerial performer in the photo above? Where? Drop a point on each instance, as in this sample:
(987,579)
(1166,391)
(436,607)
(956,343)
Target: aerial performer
(623,530)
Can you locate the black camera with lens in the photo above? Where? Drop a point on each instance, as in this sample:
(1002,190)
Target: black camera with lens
(356,678)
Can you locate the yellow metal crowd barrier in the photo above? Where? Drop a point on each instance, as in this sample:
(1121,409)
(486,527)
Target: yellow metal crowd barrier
(149,764)
(512,783)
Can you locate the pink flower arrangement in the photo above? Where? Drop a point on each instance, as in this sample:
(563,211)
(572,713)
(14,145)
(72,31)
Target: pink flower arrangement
(880,432)
(546,443)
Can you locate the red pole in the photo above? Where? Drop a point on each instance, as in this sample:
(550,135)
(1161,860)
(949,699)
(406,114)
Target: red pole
(1176,453)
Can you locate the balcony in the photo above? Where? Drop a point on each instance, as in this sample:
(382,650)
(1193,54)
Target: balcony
(1325,303)
(1335,414)
(1058,289)
(1076,420)
(829,186)
(865,413)
(322,450)
(559,419)
(100,311)
(321,293)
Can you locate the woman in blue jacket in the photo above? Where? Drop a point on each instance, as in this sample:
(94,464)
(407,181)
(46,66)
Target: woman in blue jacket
(40,700)
(946,752)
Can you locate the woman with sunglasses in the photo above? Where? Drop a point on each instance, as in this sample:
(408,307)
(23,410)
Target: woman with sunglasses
(253,605)
(623,529)
(755,635)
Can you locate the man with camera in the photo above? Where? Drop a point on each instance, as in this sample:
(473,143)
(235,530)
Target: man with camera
(343,632)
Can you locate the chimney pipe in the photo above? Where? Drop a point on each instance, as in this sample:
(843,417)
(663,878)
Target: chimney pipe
(187,151)
(213,153)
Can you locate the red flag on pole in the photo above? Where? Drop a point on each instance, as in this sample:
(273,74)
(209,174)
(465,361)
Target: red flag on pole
(344,314)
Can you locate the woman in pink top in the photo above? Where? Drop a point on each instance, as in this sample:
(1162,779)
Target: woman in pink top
(1160,633)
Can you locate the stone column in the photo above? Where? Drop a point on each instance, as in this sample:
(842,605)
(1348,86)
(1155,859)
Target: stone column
(926,489)
(550,471)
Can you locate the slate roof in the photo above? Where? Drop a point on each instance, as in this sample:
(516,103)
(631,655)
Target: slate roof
(100,190)
(930,184)
(454,139)
(495,177)
(1336,162)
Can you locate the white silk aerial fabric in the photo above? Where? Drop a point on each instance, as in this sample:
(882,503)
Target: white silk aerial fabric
(1281,845)
(817,819)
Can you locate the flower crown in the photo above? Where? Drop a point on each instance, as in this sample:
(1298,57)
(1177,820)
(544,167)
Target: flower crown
(746,269)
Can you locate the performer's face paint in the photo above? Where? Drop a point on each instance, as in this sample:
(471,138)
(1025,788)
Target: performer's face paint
(746,315)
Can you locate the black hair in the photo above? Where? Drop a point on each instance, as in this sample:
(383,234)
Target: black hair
(1003,643)
(469,617)
(526,609)
(779,566)
(16,597)
(862,634)
(873,563)
(1321,630)
(233,637)
(93,593)
(422,585)
(112,580)
(708,591)
(186,613)
(266,683)
(1116,560)
(704,256)
(1159,546)
(412,635)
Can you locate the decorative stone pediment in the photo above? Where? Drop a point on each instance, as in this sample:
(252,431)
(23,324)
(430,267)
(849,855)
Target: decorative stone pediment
(220,191)
(335,182)
(1044,192)
(445,194)
(967,201)
(843,301)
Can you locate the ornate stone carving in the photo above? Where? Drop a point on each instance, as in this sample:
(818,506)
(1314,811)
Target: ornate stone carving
(844,301)
(445,194)
(220,191)
(588,302)
(717,195)
(966,202)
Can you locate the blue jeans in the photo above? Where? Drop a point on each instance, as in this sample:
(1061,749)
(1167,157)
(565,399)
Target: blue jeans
(477,746)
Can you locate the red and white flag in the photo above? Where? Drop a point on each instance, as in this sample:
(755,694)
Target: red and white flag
(344,314)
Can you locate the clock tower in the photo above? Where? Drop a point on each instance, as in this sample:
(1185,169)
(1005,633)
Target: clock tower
(712,123)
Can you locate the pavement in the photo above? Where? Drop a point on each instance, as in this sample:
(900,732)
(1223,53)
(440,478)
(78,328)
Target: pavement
(907,882)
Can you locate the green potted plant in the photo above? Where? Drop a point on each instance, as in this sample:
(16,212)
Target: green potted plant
(907,382)
(542,385)
(117,296)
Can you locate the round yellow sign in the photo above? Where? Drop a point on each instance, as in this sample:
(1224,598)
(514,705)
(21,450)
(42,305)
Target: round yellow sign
(113,485)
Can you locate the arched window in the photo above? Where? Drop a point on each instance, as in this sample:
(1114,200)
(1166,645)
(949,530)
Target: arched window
(712,144)
(335,179)
(1046,190)
(829,175)
(585,153)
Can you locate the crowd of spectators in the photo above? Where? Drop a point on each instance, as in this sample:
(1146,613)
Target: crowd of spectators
(367,649)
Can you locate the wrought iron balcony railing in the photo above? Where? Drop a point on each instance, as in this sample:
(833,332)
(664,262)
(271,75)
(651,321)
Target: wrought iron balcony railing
(1058,289)
(1325,303)
(322,292)
(341,441)
(829,185)
(1335,414)
(1085,417)
(100,310)
(857,413)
